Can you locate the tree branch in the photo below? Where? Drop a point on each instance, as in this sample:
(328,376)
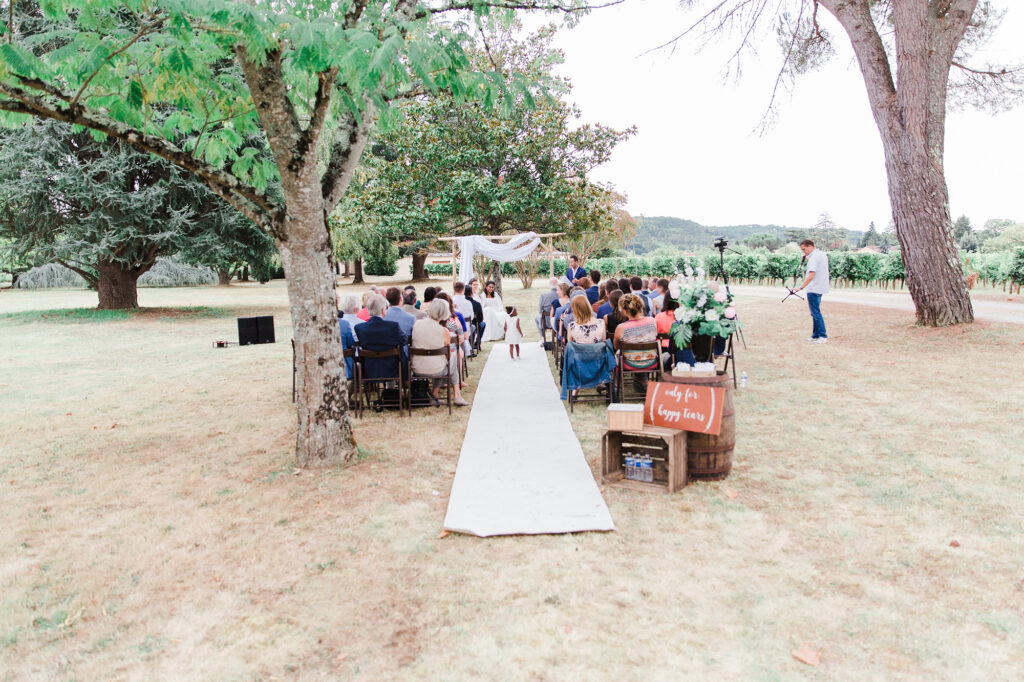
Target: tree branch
(350,139)
(143,31)
(254,203)
(535,4)
(321,106)
(995,75)
(277,116)
(89,277)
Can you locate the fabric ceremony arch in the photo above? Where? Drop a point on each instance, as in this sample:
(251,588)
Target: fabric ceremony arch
(517,248)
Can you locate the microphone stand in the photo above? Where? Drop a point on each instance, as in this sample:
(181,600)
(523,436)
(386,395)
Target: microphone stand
(725,280)
(795,275)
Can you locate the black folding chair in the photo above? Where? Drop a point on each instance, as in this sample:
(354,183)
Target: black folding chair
(380,383)
(432,352)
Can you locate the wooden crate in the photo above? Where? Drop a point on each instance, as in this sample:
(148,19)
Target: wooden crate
(625,417)
(667,447)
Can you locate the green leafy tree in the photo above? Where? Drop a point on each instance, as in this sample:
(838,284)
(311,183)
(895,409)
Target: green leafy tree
(311,77)
(1010,238)
(871,237)
(764,240)
(451,168)
(107,211)
(915,57)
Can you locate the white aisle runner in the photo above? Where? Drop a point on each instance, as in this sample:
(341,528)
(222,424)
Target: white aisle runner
(522,470)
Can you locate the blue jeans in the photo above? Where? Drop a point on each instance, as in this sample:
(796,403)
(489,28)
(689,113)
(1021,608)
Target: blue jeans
(818,328)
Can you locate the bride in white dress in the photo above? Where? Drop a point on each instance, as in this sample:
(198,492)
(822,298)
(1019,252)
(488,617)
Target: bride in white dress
(494,314)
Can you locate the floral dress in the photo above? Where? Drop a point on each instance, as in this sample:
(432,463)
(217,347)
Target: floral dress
(588,332)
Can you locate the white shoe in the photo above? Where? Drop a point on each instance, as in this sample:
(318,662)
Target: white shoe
(812,340)
(821,339)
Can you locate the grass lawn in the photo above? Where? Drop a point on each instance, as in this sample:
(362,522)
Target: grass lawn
(154,525)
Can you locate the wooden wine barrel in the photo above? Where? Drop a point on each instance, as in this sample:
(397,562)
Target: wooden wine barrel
(709,458)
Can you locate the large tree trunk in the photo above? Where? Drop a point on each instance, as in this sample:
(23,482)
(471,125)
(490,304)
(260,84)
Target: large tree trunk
(920,209)
(911,117)
(324,436)
(223,277)
(117,285)
(357,278)
(495,276)
(419,270)
(348,270)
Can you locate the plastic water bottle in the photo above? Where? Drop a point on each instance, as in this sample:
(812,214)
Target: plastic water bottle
(630,464)
(743,380)
(648,469)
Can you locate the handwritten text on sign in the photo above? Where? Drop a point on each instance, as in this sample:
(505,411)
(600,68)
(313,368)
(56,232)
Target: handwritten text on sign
(684,406)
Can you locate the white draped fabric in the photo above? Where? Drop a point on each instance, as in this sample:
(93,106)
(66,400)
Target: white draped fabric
(517,248)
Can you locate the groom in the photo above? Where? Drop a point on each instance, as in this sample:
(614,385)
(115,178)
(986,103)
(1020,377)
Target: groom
(478,311)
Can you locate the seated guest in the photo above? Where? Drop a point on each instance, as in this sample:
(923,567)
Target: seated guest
(602,298)
(608,306)
(585,327)
(609,286)
(624,285)
(637,329)
(660,293)
(378,334)
(410,304)
(458,327)
(563,314)
(665,319)
(428,295)
(615,316)
(636,285)
(583,283)
(396,314)
(592,290)
(546,299)
(364,314)
(431,333)
(348,306)
(462,304)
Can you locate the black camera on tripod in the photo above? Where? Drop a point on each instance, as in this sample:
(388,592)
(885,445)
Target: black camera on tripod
(721,243)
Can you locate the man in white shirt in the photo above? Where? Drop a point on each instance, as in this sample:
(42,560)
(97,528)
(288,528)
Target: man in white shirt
(816,284)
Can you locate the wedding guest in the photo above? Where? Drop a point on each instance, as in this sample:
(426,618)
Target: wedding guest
(546,299)
(574,272)
(395,313)
(585,327)
(592,290)
(431,333)
(410,304)
(637,329)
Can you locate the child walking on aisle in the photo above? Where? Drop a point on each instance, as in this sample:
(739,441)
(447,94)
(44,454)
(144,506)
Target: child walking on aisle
(513,333)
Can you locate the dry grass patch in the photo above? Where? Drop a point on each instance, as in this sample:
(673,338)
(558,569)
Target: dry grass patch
(155,525)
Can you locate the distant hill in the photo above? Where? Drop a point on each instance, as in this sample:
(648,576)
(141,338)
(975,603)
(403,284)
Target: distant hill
(654,232)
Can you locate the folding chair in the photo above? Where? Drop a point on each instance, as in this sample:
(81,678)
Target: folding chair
(547,329)
(432,352)
(574,396)
(380,382)
(622,368)
(354,400)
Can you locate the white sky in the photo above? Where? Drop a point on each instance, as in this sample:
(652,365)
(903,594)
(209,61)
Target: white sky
(697,154)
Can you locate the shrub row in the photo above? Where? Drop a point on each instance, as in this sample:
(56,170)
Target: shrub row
(764,267)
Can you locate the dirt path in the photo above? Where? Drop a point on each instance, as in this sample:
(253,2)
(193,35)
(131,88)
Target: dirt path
(995,311)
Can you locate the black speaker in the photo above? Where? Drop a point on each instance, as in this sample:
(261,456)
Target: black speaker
(248,332)
(255,330)
(265,328)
